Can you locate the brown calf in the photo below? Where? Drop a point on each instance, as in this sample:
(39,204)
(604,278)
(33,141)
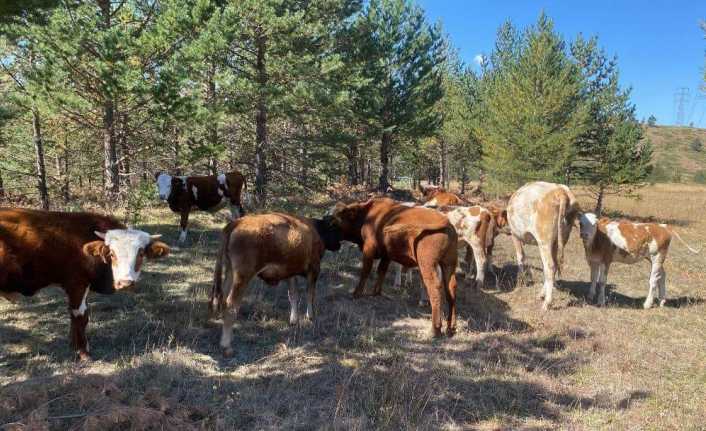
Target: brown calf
(438,197)
(207,193)
(607,241)
(273,247)
(77,252)
(410,236)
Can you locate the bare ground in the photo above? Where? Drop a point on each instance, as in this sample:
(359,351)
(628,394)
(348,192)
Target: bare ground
(369,363)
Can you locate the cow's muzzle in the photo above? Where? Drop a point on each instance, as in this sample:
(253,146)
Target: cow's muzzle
(124,284)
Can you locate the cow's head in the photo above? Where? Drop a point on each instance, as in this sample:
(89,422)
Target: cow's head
(124,250)
(349,218)
(588,225)
(330,233)
(164,185)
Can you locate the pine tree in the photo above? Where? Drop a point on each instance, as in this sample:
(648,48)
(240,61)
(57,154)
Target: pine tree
(533,111)
(402,56)
(612,155)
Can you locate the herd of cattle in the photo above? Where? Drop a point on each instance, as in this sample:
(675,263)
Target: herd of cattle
(82,252)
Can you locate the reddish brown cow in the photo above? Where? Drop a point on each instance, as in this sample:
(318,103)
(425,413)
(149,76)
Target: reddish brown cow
(207,193)
(273,247)
(410,236)
(438,197)
(74,251)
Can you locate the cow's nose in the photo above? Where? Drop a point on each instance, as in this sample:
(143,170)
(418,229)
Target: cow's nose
(124,284)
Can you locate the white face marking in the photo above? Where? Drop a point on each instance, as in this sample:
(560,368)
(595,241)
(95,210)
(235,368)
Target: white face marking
(126,245)
(222,181)
(195,191)
(83,307)
(616,237)
(164,185)
(587,222)
(431,203)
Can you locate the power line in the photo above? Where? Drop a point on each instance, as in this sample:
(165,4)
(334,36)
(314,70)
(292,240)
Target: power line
(681,100)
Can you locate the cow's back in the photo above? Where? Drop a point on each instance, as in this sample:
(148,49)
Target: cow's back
(40,248)
(275,245)
(533,209)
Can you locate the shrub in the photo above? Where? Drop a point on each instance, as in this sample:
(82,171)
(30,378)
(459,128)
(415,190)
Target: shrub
(696,145)
(700,177)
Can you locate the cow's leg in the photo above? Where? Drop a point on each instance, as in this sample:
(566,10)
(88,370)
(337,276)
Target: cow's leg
(235,296)
(602,281)
(449,280)
(594,280)
(520,257)
(432,282)
(184,222)
(78,310)
(489,262)
(382,271)
(293,301)
(364,274)
(469,259)
(398,277)
(479,256)
(662,284)
(311,294)
(549,269)
(656,276)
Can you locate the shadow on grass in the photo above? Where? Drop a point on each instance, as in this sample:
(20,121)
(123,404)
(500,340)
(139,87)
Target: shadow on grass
(580,290)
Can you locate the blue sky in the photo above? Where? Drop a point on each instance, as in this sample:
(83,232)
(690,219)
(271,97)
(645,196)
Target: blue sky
(659,44)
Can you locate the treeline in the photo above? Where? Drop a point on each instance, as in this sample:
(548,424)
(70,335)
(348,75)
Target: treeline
(100,94)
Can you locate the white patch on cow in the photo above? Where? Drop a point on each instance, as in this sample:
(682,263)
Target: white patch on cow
(222,181)
(164,186)
(182,236)
(409,204)
(431,203)
(126,244)
(616,237)
(81,310)
(653,247)
(587,229)
(195,191)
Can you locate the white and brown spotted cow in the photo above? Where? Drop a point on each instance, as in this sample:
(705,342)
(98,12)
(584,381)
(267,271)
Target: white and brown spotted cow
(542,213)
(607,241)
(207,193)
(477,227)
(77,252)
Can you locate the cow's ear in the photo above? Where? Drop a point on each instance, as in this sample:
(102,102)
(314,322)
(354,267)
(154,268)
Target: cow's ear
(156,249)
(97,249)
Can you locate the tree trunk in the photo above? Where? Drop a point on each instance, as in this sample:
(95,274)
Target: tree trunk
(443,165)
(385,145)
(39,152)
(464,179)
(2,187)
(599,201)
(111,182)
(261,140)
(124,166)
(353,178)
(212,134)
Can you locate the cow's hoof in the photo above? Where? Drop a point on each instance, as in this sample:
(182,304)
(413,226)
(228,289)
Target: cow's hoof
(546,306)
(436,332)
(84,357)
(647,305)
(662,303)
(227,352)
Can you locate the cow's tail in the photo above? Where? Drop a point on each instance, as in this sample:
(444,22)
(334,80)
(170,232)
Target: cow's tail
(674,233)
(561,222)
(215,300)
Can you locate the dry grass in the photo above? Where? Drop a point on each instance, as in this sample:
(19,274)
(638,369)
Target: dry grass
(673,152)
(369,363)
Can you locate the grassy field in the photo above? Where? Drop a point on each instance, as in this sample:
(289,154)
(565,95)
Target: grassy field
(369,363)
(672,151)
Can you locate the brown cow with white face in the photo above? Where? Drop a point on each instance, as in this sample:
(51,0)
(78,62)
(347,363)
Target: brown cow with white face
(410,236)
(77,252)
(274,247)
(542,213)
(607,241)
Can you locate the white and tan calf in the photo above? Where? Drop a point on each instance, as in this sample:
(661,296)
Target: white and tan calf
(542,213)
(607,241)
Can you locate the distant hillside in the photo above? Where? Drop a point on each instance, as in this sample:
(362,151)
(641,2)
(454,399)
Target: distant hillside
(675,160)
